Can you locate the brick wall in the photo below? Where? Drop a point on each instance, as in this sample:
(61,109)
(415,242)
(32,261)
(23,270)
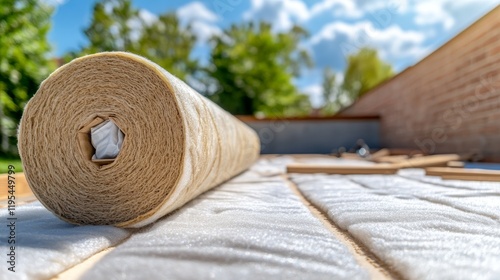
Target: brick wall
(448,102)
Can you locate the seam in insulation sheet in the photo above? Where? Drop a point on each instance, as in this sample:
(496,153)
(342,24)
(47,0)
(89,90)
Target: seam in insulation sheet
(376,267)
(76,271)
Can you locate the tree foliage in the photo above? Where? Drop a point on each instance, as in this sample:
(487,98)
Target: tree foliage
(117,26)
(111,26)
(254,68)
(24,61)
(169,45)
(365,70)
(330,92)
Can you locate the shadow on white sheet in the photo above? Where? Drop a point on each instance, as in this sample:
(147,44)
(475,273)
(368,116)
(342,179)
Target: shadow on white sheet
(46,246)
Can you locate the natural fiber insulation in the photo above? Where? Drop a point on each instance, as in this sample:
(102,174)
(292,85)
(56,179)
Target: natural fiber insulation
(177,143)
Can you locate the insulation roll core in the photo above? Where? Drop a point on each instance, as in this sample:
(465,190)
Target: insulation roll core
(176,144)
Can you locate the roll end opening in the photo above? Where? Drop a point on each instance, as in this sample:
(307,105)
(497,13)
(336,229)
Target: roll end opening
(101,141)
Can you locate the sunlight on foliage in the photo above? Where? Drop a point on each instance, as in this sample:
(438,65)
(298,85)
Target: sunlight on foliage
(24,61)
(254,70)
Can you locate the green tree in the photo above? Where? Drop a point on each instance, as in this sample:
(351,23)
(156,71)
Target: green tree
(110,29)
(254,68)
(169,44)
(330,92)
(117,26)
(24,61)
(365,70)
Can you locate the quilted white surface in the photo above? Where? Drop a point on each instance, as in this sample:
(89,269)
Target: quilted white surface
(421,230)
(46,246)
(240,230)
(256,227)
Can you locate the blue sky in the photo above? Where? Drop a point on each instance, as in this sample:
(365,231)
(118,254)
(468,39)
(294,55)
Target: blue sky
(404,31)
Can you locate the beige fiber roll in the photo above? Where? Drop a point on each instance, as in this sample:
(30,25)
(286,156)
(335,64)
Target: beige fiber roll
(176,143)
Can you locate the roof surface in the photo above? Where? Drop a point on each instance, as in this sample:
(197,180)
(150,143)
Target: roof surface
(269,224)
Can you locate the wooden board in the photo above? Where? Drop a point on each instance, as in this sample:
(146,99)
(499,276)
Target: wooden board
(351,156)
(464,174)
(380,153)
(390,159)
(341,169)
(428,161)
(417,162)
(471,178)
(456,164)
(406,152)
(21,186)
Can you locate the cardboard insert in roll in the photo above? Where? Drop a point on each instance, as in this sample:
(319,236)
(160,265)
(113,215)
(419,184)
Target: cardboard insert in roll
(176,143)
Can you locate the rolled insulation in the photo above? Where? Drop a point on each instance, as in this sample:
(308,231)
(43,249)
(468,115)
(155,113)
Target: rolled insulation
(176,144)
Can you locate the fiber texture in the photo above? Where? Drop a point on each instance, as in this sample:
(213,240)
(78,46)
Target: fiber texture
(422,231)
(241,230)
(177,143)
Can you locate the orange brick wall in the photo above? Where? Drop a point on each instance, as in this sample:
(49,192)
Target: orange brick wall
(448,102)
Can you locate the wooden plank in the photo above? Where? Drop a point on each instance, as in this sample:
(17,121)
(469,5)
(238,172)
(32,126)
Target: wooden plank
(471,178)
(390,159)
(351,156)
(406,152)
(418,162)
(380,153)
(21,186)
(428,161)
(463,172)
(456,164)
(341,169)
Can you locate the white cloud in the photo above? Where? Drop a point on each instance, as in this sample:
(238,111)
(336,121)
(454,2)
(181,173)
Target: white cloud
(341,8)
(205,31)
(395,40)
(402,30)
(381,27)
(196,11)
(202,20)
(448,13)
(428,13)
(394,6)
(393,43)
(281,13)
(425,12)
(296,9)
(284,13)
